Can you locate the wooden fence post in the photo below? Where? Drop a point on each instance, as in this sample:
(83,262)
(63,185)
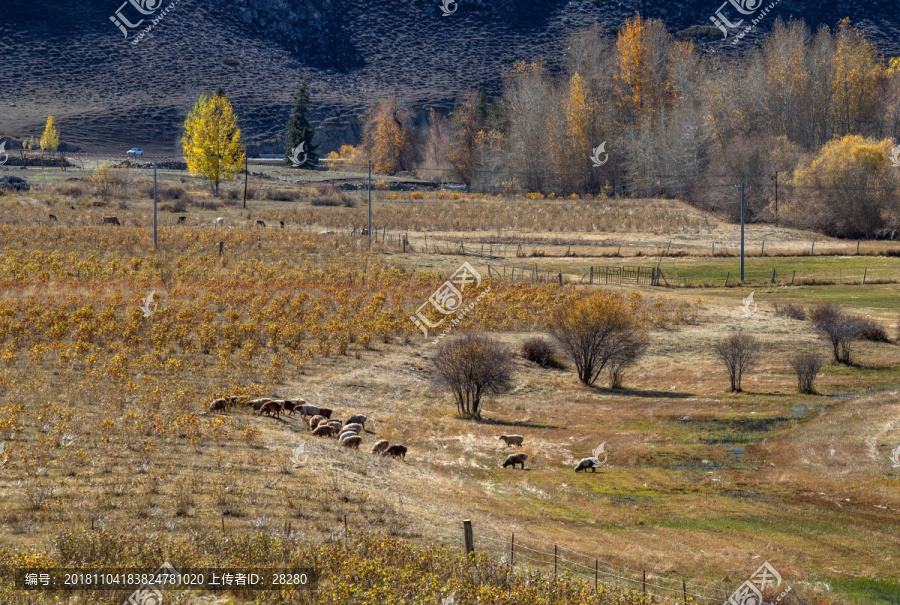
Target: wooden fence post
(645,581)
(512,550)
(554,561)
(221,247)
(596,572)
(857,247)
(560,278)
(727,275)
(684,591)
(591,282)
(714,249)
(865,270)
(763,251)
(812,249)
(773,275)
(792,276)
(470,540)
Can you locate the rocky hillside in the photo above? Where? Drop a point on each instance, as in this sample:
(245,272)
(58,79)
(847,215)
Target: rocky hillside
(110,93)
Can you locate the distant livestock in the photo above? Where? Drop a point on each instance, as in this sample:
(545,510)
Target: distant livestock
(345,435)
(220,222)
(315,421)
(271,407)
(379,447)
(182,220)
(308,410)
(258,403)
(588,463)
(512,440)
(514,459)
(111,220)
(396,451)
(337,424)
(289,406)
(282,224)
(325,412)
(353,426)
(261,224)
(221,404)
(357,418)
(53,218)
(323,431)
(353,442)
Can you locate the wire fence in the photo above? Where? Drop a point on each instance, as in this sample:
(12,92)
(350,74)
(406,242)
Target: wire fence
(524,552)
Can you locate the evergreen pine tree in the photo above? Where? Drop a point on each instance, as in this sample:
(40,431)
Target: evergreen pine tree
(299,130)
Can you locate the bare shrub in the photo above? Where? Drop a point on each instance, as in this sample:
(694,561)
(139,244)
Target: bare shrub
(542,352)
(738,353)
(631,348)
(39,496)
(598,331)
(839,327)
(791,311)
(329,195)
(872,331)
(184,499)
(472,367)
(807,366)
(281,195)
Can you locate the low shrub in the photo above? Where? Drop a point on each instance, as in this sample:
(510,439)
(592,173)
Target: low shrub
(542,352)
(791,311)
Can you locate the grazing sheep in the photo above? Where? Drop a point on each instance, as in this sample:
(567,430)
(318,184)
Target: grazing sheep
(256,404)
(53,218)
(111,220)
(352,442)
(514,459)
(220,222)
(282,224)
(379,447)
(289,406)
(272,407)
(346,434)
(260,224)
(337,424)
(218,405)
(395,451)
(323,431)
(315,421)
(325,412)
(182,220)
(353,426)
(309,410)
(358,419)
(588,463)
(512,440)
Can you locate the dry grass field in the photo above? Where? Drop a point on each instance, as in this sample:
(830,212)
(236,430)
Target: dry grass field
(104,410)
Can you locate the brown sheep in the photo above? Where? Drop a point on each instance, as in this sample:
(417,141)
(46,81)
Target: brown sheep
(352,442)
(337,424)
(514,459)
(380,446)
(111,220)
(325,412)
(512,440)
(314,422)
(289,406)
(323,431)
(345,434)
(261,224)
(272,407)
(395,451)
(258,403)
(218,405)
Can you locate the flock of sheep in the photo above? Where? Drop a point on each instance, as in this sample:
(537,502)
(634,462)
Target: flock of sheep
(320,422)
(519,459)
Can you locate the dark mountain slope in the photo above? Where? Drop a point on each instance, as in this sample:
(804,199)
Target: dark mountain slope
(67,58)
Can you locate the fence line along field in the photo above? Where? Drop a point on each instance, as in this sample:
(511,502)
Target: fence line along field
(111,354)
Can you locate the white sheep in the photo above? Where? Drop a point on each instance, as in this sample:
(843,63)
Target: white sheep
(352,426)
(358,419)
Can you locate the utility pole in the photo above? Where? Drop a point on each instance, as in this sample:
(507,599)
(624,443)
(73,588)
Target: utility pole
(369,188)
(246,175)
(154,206)
(776,198)
(742,232)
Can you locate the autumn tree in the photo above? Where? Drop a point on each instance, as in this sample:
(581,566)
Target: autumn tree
(212,140)
(389,137)
(467,123)
(847,189)
(299,131)
(50,138)
(599,331)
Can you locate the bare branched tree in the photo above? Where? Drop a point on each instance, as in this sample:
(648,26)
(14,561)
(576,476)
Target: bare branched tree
(738,353)
(807,366)
(839,327)
(473,367)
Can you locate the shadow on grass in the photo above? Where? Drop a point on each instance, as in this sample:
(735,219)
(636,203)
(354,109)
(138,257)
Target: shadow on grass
(524,423)
(640,393)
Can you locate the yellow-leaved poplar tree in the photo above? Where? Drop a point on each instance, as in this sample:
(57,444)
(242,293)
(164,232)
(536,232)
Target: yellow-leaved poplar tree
(580,111)
(212,140)
(856,71)
(50,138)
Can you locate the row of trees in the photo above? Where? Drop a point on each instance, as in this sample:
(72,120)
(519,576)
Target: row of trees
(48,142)
(601,331)
(820,109)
